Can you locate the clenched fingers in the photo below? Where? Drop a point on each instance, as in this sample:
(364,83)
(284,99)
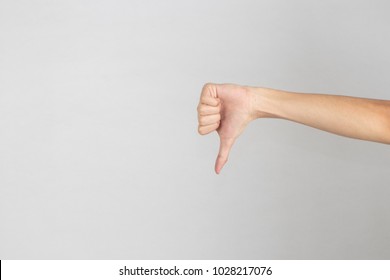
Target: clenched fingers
(206,129)
(204,110)
(209,109)
(209,119)
(208,100)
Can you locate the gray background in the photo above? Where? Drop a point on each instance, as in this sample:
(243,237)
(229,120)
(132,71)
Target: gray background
(99,152)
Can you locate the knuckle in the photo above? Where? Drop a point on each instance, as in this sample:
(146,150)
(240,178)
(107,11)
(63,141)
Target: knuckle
(223,158)
(207,86)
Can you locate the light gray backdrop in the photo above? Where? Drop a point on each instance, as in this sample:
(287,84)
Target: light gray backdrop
(99,152)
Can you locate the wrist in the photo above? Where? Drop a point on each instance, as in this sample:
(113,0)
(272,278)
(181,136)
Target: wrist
(264,102)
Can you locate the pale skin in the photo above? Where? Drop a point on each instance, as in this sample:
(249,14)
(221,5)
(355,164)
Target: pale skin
(228,109)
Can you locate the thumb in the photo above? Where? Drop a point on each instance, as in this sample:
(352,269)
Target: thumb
(223,154)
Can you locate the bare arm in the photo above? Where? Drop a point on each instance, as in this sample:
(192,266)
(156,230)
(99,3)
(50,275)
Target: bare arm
(229,108)
(366,119)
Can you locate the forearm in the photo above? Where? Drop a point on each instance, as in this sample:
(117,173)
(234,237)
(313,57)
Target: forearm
(366,119)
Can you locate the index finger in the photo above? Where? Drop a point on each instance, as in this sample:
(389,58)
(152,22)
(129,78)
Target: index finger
(208,100)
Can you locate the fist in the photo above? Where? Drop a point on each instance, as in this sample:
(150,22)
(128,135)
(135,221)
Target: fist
(227,109)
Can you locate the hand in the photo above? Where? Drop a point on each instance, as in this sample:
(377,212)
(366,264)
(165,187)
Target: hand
(227,109)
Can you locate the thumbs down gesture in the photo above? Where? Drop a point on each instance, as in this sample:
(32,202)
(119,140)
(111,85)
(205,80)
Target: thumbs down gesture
(227,109)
